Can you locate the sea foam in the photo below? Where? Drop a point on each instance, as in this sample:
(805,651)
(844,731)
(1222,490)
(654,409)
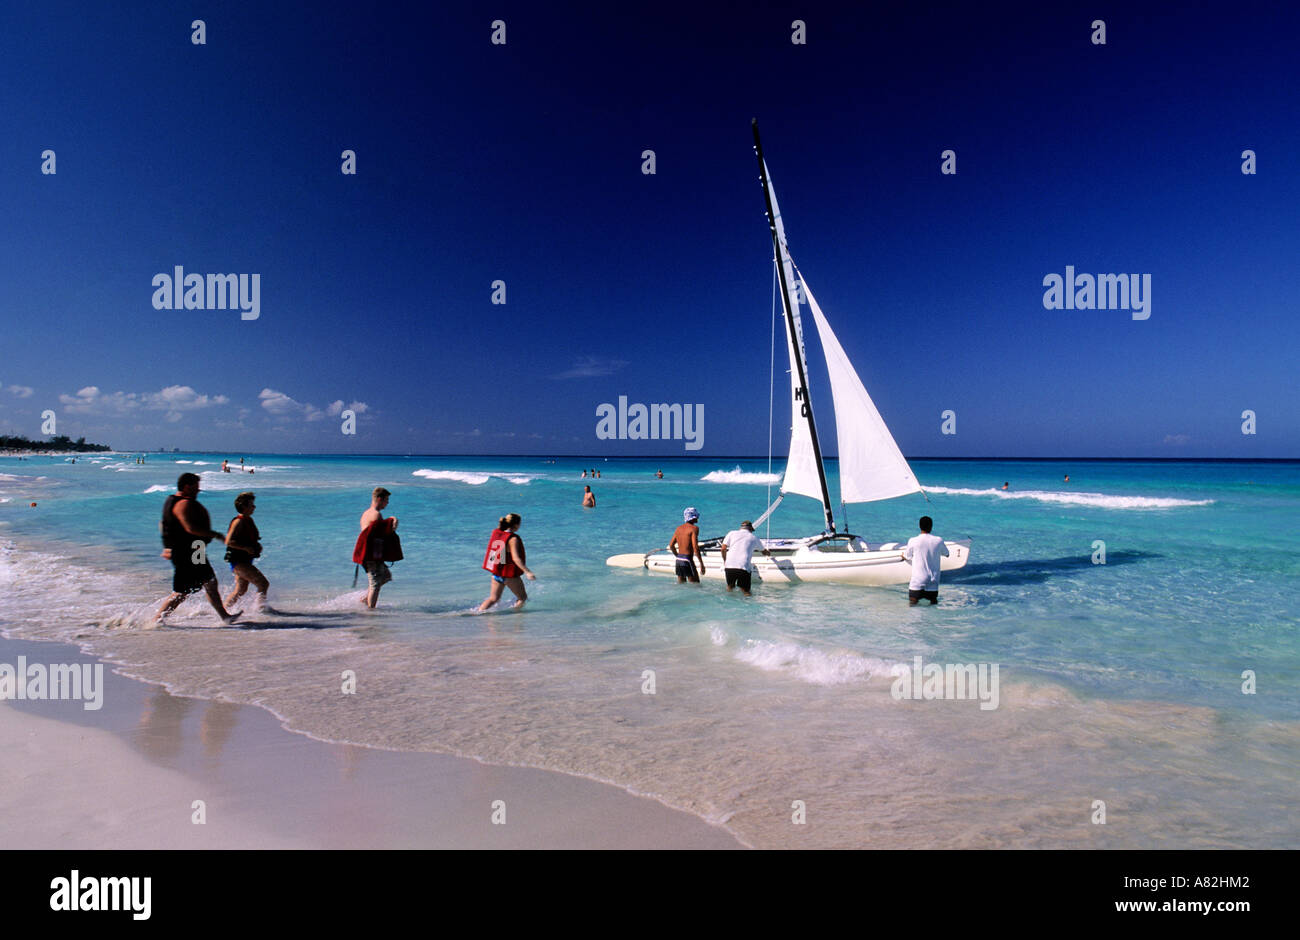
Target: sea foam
(1095,500)
(740,476)
(470,477)
(810,664)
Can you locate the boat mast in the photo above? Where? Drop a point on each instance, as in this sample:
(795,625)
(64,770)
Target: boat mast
(795,352)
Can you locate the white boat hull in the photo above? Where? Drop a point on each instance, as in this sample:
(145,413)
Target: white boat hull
(837,562)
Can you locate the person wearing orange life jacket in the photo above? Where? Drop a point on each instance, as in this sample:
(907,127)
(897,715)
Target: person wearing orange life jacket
(504,560)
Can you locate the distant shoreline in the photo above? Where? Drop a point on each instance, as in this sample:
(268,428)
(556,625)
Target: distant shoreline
(6,452)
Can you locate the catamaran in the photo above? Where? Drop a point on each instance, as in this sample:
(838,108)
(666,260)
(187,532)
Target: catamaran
(871,465)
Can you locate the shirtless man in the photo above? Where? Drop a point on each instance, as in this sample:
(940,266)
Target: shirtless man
(588,498)
(686,543)
(374,564)
(186,530)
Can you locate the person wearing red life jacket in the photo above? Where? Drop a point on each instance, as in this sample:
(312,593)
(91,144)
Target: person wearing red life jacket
(372,548)
(504,560)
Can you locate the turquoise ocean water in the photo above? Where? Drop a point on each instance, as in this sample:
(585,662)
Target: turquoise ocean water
(1119,682)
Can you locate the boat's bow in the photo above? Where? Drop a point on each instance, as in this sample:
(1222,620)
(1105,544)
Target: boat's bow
(629,560)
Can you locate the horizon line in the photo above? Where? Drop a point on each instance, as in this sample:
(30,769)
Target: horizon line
(667,457)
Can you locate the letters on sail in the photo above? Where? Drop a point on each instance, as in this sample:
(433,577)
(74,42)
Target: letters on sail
(802,475)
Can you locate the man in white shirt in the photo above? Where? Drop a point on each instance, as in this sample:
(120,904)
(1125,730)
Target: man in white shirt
(738,549)
(923,552)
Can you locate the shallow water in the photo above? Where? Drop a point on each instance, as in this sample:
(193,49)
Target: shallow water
(1119,682)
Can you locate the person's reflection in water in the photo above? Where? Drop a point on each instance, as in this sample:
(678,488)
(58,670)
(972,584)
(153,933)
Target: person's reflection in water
(216,727)
(159,732)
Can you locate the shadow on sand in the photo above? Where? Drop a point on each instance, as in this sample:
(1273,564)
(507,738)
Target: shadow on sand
(283,620)
(297,620)
(464,610)
(1036,571)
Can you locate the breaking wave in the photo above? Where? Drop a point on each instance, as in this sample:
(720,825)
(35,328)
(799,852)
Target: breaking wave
(1094,500)
(472,478)
(740,476)
(813,665)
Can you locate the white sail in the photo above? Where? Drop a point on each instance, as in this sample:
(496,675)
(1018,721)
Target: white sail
(871,465)
(802,474)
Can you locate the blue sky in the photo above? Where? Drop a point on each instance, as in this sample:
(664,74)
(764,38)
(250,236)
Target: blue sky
(522,162)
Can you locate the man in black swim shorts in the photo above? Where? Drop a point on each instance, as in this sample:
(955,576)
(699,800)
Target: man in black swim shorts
(186,531)
(685,544)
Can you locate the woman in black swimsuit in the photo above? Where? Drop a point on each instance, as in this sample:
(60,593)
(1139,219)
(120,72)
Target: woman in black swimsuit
(242,546)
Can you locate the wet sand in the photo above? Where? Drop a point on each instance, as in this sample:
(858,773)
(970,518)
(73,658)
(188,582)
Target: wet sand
(129,774)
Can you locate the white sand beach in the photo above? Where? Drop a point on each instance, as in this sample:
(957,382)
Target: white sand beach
(128,775)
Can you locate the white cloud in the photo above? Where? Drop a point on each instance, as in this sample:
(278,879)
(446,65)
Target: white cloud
(183,398)
(278,403)
(282,405)
(21,391)
(590,367)
(173,400)
(336,408)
